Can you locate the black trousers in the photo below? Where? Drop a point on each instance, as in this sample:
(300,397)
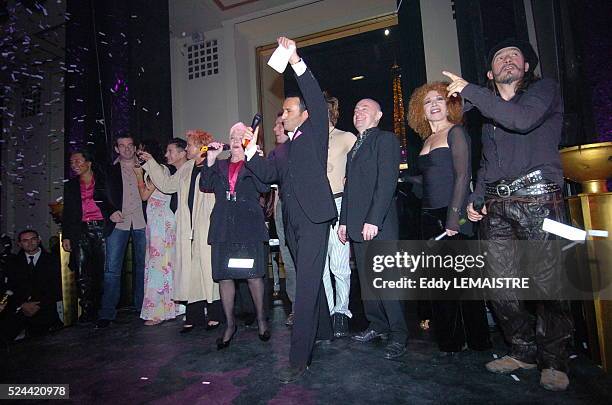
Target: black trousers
(11,323)
(385,316)
(455,323)
(87,260)
(542,337)
(307,243)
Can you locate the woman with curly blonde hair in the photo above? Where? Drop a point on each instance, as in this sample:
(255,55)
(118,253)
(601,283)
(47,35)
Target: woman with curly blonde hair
(444,163)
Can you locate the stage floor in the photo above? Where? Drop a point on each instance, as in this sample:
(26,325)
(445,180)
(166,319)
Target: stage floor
(130,363)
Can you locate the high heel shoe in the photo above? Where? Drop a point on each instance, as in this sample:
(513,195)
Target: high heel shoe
(224,344)
(264,337)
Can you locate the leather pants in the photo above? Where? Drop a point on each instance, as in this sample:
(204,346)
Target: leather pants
(88,262)
(541,337)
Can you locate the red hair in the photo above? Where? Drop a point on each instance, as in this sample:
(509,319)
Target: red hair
(200,137)
(416,110)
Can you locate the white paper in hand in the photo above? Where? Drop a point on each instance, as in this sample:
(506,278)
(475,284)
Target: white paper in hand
(279,59)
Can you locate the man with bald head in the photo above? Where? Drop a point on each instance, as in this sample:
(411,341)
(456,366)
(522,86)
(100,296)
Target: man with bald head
(369,213)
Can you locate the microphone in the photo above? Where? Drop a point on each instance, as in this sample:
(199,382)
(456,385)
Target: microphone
(205,148)
(478,204)
(443,234)
(254,124)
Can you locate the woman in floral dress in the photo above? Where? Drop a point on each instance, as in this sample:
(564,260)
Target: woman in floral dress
(157,305)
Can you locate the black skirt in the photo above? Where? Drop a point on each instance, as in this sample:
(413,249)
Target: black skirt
(223,252)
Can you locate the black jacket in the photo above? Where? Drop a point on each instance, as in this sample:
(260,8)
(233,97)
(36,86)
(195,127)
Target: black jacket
(369,191)
(234,221)
(114,194)
(73,207)
(43,284)
(302,171)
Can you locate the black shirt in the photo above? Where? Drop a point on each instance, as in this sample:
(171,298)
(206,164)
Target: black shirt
(446,176)
(520,135)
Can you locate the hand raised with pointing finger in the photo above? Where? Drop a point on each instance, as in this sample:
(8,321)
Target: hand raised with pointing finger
(457,84)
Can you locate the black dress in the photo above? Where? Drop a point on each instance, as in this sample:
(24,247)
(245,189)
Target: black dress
(445,178)
(237,225)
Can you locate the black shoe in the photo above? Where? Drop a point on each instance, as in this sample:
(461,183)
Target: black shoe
(213,326)
(394,350)
(290,320)
(87,318)
(102,323)
(323,342)
(369,335)
(56,327)
(341,328)
(224,344)
(187,329)
(264,337)
(291,374)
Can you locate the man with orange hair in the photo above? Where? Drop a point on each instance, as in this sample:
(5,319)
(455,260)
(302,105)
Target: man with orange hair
(193,283)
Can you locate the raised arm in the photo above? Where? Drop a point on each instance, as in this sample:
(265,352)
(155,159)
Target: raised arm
(522,116)
(264,169)
(311,91)
(145,189)
(209,176)
(162,179)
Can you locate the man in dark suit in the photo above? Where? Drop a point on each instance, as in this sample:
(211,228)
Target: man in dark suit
(34,278)
(300,169)
(85,220)
(369,213)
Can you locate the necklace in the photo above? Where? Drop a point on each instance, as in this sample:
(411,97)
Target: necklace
(442,129)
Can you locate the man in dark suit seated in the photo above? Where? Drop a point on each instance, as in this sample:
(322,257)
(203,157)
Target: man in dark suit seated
(369,212)
(34,278)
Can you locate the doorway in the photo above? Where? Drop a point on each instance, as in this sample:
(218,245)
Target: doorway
(337,58)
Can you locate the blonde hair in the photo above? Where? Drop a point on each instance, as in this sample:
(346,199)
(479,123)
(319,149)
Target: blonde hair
(237,127)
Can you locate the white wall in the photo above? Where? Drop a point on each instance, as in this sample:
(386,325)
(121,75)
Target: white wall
(201,102)
(439,39)
(215,103)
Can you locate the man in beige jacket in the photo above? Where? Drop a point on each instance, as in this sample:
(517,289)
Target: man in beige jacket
(193,283)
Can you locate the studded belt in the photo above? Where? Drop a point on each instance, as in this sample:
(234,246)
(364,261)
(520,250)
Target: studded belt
(530,184)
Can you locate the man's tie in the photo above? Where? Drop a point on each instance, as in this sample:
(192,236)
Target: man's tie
(31,262)
(358,143)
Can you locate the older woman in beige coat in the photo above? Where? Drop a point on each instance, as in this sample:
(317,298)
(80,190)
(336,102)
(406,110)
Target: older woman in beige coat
(193,282)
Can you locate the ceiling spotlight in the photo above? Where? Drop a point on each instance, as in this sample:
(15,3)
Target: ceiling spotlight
(357,77)
(387,31)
